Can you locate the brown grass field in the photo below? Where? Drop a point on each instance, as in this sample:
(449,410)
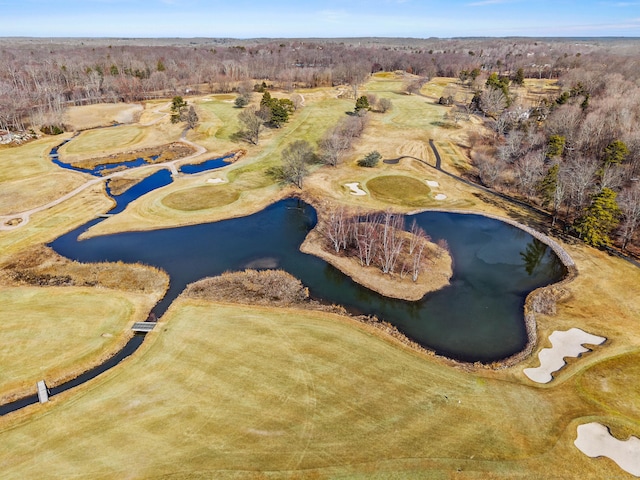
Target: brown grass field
(224,390)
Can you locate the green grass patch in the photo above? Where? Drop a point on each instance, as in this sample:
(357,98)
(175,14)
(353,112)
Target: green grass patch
(200,198)
(400,190)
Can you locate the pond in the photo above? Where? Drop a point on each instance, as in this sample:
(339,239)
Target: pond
(479,317)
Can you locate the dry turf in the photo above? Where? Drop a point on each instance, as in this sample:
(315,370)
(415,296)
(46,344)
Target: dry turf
(232,391)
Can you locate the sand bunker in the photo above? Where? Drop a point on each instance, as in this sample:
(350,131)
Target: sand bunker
(355,188)
(594,440)
(216,180)
(565,344)
(432,183)
(440,196)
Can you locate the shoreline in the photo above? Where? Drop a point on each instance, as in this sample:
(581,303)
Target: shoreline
(387,285)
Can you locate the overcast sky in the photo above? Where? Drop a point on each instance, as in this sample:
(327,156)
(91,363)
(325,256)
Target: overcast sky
(318,18)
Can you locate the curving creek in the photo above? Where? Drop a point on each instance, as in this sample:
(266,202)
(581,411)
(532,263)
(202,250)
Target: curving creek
(479,317)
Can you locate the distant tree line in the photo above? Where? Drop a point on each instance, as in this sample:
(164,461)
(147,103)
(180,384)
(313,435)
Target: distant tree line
(39,78)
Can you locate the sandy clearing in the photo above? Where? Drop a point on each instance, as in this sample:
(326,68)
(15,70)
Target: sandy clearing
(564,344)
(355,188)
(594,440)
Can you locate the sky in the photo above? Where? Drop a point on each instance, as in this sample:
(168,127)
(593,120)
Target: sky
(319,18)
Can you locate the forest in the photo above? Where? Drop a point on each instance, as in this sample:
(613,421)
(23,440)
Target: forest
(575,153)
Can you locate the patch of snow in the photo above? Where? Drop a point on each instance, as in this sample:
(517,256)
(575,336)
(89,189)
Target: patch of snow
(433,183)
(440,196)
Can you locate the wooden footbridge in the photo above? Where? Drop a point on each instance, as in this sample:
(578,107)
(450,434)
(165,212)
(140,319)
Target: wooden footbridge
(143,327)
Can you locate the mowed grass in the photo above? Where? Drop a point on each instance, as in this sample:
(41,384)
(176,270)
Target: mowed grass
(90,116)
(400,189)
(200,198)
(28,178)
(238,392)
(123,138)
(48,332)
(249,176)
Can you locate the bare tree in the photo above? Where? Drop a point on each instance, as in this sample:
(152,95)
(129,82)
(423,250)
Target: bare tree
(414,85)
(612,176)
(365,231)
(333,146)
(490,168)
(252,125)
(295,162)
(577,174)
(390,240)
(385,105)
(529,172)
(493,102)
(338,228)
(417,241)
(629,202)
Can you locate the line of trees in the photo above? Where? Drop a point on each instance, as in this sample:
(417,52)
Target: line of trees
(378,240)
(577,153)
(38,79)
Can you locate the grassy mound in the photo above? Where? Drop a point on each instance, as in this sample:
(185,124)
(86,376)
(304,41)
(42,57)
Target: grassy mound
(200,198)
(400,190)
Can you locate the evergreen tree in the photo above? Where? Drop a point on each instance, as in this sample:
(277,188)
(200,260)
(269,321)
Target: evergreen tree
(278,109)
(555,146)
(599,219)
(615,152)
(519,78)
(362,104)
(370,160)
(552,190)
(178,106)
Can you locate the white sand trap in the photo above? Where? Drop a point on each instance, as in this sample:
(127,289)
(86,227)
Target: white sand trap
(216,180)
(432,183)
(355,188)
(440,196)
(594,440)
(565,344)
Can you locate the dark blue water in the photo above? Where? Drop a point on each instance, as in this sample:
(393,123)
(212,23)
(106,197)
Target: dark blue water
(206,165)
(99,170)
(103,169)
(150,183)
(479,317)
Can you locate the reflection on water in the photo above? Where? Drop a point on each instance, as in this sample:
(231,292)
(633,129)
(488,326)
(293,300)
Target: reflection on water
(477,318)
(535,256)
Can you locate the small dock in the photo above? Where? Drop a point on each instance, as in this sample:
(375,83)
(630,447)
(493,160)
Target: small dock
(43,392)
(143,327)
